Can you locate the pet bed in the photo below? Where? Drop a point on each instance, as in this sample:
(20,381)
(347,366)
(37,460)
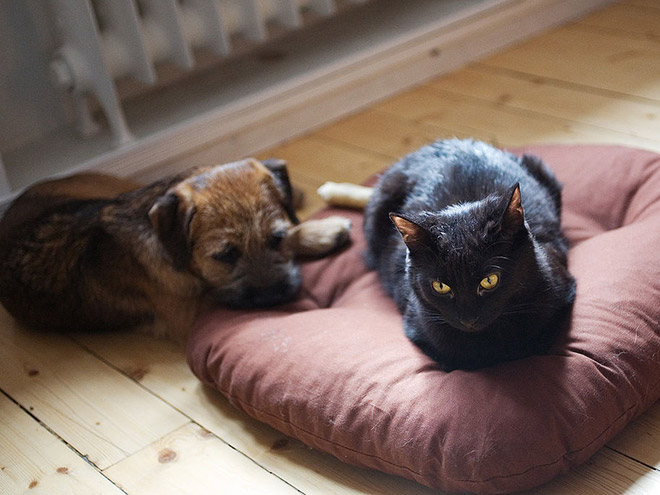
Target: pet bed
(335,370)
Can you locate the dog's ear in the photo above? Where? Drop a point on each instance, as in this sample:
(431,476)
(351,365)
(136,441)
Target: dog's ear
(278,169)
(170,217)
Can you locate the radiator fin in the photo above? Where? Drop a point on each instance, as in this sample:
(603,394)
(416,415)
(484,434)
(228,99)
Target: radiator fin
(105,40)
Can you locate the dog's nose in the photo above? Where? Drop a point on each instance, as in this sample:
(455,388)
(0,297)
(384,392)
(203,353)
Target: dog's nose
(279,293)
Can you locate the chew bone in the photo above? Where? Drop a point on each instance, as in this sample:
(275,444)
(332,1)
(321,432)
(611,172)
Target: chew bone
(345,194)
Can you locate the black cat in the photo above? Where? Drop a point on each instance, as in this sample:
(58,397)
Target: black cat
(480,276)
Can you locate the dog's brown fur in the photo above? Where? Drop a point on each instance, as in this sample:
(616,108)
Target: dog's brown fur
(95,252)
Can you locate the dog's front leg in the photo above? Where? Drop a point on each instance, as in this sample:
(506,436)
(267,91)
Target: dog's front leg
(315,238)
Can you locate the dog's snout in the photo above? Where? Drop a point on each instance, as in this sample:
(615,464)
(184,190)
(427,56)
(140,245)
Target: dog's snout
(263,286)
(282,292)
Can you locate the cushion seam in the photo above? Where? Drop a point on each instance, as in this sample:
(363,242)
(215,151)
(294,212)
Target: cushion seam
(375,456)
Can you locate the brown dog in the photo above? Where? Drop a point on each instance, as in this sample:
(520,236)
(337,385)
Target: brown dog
(96,252)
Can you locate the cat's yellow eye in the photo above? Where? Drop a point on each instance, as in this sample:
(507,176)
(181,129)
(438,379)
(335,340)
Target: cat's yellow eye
(440,287)
(490,281)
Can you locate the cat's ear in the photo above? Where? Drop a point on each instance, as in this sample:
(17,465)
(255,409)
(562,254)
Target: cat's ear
(412,234)
(513,217)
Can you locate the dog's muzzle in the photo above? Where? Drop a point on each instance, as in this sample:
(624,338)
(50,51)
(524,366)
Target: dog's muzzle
(263,291)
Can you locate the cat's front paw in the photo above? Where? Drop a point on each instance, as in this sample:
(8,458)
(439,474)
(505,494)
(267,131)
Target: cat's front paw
(319,237)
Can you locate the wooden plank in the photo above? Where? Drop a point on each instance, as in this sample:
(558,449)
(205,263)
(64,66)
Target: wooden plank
(32,460)
(161,367)
(498,124)
(628,19)
(314,160)
(191,461)
(318,160)
(312,201)
(591,58)
(641,438)
(643,3)
(388,134)
(98,411)
(607,473)
(536,94)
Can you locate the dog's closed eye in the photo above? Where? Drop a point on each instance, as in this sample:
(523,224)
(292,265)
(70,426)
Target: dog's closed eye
(228,255)
(276,239)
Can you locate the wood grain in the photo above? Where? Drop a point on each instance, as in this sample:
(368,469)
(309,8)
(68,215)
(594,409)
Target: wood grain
(191,461)
(84,401)
(607,473)
(33,460)
(630,19)
(499,124)
(538,96)
(590,58)
(313,160)
(641,438)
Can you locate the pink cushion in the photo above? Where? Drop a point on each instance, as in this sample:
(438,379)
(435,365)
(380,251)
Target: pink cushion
(335,370)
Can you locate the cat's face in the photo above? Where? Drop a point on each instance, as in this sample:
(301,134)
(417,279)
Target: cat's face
(468,262)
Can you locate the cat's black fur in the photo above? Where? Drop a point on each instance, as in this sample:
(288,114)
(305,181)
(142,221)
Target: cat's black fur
(457,218)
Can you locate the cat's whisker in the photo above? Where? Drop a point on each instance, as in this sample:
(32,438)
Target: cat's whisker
(432,317)
(519,312)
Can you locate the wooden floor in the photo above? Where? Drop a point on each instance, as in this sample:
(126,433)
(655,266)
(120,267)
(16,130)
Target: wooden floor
(123,414)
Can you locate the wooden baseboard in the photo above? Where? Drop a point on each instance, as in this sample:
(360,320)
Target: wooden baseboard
(310,99)
(316,100)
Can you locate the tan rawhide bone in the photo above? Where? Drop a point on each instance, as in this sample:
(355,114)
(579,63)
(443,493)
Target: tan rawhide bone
(345,194)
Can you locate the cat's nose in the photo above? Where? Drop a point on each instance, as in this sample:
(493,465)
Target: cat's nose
(470,323)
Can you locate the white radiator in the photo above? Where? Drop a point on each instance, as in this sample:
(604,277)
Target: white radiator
(105,40)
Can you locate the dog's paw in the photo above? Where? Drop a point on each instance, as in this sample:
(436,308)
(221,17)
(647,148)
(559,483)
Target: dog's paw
(337,231)
(320,237)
